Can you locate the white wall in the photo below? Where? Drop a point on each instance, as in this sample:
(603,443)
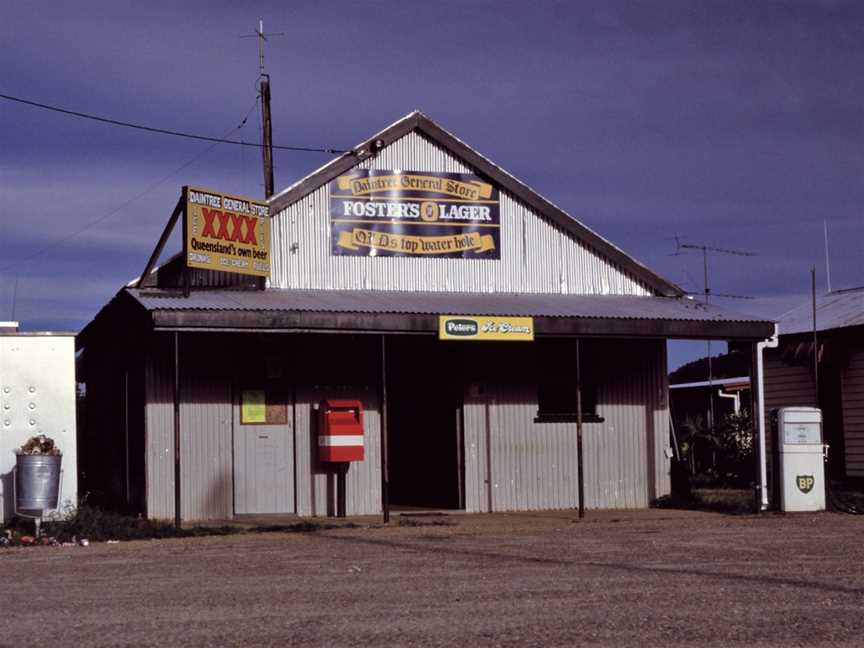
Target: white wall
(37,396)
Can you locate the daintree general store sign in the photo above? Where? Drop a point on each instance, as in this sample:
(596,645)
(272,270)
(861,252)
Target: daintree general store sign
(227,233)
(414,214)
(470,327)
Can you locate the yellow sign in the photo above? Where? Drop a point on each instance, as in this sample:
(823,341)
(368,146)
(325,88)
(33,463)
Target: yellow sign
(362,186)
(253,406)
(412,244)
(226,233)
(469,327)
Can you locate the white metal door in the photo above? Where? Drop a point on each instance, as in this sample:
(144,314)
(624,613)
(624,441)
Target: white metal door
(263,463)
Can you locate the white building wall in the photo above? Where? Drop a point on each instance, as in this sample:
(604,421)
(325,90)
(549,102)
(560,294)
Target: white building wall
(536,256)
(37,396)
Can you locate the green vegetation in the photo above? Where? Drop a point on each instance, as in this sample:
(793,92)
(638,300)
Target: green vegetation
(719,500)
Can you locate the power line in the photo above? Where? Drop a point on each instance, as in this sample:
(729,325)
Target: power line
(164,131)
(138,196)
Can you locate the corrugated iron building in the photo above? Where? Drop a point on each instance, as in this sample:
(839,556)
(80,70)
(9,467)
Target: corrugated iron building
(452,425)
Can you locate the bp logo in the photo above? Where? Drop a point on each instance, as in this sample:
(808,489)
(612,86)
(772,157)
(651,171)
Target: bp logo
(805,483)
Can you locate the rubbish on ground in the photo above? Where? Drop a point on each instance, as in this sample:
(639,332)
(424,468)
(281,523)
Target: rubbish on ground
(39,445)
(112,542)
(28,540)
(84,542)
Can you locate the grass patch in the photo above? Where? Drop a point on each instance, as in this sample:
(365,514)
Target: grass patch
(719,500)
(303,527)
(413,522)
(98,525)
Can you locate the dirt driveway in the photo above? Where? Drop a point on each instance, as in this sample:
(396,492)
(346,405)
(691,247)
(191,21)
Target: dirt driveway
(653,578)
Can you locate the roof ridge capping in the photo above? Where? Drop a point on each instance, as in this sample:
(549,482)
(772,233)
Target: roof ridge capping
(419,121)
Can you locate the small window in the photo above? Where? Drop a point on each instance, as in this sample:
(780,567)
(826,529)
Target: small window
(556,384)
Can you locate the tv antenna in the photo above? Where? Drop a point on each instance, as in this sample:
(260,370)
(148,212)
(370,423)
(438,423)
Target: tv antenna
(705,250)
(262,38)
(264,93)
(679,246)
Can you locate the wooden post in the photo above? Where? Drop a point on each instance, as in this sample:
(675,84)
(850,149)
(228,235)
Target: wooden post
(488,418)
(169,227)
(580,476)
(754,414)
(177,515)
(267,141)
(266,125)
(385,475)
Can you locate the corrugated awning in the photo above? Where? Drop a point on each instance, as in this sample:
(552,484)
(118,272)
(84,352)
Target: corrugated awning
(417,311)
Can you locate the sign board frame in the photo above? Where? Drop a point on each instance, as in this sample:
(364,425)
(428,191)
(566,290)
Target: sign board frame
(415,214)
(485,328)
(236,229)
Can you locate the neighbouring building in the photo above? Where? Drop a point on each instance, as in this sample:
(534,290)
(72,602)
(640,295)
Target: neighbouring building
(838,349)
(37,396)
(479,326)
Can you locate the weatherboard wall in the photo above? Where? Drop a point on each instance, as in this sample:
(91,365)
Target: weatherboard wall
(852,380)
(786,385)
(536,256)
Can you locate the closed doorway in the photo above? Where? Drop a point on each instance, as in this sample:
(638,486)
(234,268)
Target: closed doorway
(263,449)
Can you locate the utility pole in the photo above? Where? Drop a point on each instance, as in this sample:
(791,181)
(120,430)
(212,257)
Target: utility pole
(267,135)
(266,122)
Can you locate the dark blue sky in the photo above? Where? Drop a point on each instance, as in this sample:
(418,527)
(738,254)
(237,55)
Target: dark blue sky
(734,124)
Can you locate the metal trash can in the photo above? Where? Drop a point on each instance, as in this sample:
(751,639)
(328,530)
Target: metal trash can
(37,482)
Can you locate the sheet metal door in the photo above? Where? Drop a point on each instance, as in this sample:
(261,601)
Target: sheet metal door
(264,458)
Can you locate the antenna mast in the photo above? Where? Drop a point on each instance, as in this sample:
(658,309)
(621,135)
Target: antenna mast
(827,258)
(266,122)
(707,292)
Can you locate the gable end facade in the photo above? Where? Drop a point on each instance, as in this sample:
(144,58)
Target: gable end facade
(542,249)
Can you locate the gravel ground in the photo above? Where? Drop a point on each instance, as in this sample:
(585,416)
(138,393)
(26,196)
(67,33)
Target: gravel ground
(653,578)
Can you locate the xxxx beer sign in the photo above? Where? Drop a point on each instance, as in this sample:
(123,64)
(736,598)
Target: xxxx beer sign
(414,214)
(226,233)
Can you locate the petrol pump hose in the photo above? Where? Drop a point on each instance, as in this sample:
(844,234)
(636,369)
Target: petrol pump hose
(835,504)
(833,501)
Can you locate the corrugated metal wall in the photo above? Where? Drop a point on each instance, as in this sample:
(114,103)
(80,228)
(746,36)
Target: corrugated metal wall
(625,464)
(316,482)
(337,366)
(159,431)
(853,410)
(533,465)
(536,256)
(326,366)
(207,488)
(205,432)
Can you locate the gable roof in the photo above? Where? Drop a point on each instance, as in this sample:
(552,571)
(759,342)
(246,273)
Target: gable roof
(417,121)
(838,309)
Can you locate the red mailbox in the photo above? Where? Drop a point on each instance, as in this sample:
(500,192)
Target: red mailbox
(341,434)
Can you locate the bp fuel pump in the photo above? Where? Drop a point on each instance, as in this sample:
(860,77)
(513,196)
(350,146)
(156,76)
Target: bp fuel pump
(801,458)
